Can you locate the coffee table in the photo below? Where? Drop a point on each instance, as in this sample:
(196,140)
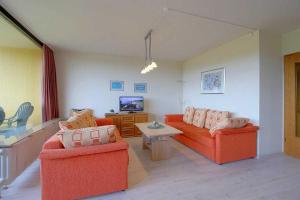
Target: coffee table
(157,140)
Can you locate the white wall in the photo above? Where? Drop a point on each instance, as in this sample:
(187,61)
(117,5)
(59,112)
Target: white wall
(271,94)
(84,82)
(291,42)
(254,84)
(240,58)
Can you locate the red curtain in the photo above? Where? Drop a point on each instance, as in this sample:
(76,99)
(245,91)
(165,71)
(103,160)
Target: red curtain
(49,96)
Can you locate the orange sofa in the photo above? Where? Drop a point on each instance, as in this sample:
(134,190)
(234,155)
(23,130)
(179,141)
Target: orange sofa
(226,146)
(83,171)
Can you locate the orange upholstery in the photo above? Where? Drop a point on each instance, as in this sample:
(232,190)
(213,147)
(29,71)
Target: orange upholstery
(80,172)
(208,152)
(200,135)
(226,145)
(174,118)
(104,121)
(233,145)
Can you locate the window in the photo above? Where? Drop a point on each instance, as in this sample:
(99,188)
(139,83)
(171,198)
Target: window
(20,83)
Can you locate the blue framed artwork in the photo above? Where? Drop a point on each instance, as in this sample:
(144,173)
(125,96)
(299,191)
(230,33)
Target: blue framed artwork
(140,87)
(213,81)
(116,85)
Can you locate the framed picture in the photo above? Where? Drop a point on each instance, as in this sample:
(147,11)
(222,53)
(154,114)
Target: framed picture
(140,87)
(213,81)
(116,85)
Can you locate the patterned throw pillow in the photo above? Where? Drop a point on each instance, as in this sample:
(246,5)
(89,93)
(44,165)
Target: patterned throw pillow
(213,116)
(83,120)
(87,136)
(199,117)
(229,123)
(188,115)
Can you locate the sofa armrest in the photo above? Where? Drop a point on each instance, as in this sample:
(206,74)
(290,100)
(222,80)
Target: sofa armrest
(228,131)
(82,151)
(236,144)
(104,121)
(53,143)
(174,118)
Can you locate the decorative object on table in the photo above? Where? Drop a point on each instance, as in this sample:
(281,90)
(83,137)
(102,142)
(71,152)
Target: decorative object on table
(112,110)
(140,87)
(21,116)
(213,81)
(155,125)
(2,115)
(116,85)
(149,62)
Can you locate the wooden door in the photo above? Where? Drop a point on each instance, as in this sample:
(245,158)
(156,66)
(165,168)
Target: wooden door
(292,104)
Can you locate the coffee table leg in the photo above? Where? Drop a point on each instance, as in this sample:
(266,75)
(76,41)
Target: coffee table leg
(161,148)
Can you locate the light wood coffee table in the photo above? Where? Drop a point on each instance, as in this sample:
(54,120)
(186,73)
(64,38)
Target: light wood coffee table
(157,140)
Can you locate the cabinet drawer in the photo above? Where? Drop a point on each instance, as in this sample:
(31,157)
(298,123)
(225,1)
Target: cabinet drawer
(116,120)
(137,132)
(141,119)
(127,125)
(127,132)
(127,118)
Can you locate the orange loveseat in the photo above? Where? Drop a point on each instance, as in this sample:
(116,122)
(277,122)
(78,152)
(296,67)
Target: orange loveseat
(226,145)
(83,171)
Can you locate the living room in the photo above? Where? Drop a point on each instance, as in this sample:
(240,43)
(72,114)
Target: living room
(240,138)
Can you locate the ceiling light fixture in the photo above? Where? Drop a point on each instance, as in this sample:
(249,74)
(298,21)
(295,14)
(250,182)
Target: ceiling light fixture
(150,64)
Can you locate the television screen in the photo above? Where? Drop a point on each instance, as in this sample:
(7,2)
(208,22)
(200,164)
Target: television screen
(131,103)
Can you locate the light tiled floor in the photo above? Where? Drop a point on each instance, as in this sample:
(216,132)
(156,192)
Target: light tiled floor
(188,175)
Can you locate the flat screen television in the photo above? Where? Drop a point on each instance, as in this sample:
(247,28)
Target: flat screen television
(131,103)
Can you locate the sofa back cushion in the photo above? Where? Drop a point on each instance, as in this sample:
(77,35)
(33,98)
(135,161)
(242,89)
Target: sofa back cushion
(199,117)
(82,120)
(87,136)
(229,123)
(188,115)
(213,116)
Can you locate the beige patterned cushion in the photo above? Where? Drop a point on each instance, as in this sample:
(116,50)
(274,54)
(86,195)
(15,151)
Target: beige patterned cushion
(213,116)
(229,123)
(82,120)
(199,117)
(87,136)
(188,115)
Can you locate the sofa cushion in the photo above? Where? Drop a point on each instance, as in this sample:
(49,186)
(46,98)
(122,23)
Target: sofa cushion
(229,123)
(178,125)
(188,115)
(199,117)
(213,116)
(87,136)
(82,120)
(200,135)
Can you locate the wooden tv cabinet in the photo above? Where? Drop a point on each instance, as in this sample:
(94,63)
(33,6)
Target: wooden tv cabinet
(125,122)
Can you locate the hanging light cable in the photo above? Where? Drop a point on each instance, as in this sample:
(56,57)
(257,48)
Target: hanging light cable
(146,58)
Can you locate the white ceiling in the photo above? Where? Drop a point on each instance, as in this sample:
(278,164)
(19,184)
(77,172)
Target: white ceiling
(117,27)
(11,37)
